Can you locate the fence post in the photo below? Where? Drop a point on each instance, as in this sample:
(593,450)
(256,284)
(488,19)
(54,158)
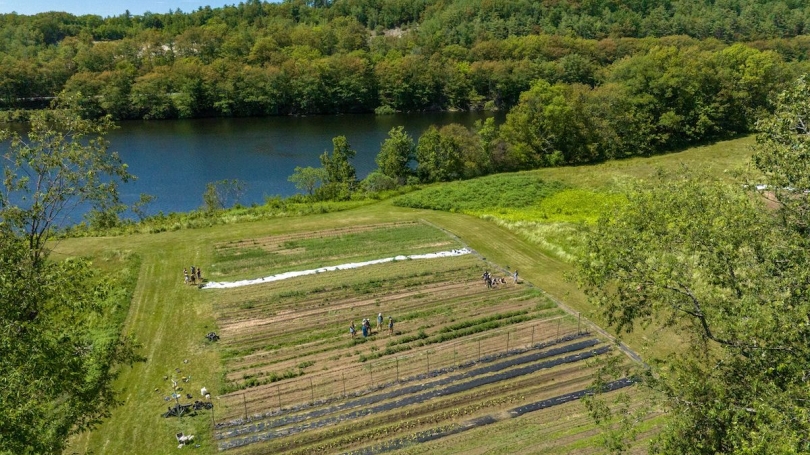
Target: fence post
(278,394)
(343,377)
(427,355)
(532,345)
(311,391)
(244,401)
(507,343)
(479,350)
(397,359)
(559,321)
(579,320)
(371,372)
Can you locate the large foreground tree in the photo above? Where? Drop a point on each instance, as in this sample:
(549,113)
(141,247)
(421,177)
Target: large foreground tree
(730,274)
(59,350)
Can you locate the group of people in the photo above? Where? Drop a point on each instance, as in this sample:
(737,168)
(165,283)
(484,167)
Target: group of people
(194,277)
(366,326)
(491,280)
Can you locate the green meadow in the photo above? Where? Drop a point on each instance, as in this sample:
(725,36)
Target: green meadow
(285,351)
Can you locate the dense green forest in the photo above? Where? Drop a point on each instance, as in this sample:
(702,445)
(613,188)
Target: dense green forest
(582,81)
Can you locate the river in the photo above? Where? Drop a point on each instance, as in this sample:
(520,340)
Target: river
(175,159)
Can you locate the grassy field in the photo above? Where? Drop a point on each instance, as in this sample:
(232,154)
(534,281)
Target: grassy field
(288,341)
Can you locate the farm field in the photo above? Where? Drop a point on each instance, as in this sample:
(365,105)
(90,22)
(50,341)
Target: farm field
(296,381)
(461,354)
(289,339)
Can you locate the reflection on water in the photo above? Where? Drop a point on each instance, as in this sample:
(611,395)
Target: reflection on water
(175,159)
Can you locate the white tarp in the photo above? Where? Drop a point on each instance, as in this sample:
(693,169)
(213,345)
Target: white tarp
(352,265)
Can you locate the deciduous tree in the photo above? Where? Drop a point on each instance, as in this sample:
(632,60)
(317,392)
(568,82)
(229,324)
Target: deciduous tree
(341,177)
(396,153)
(308,178)
(58,353)
(61,163)
(708,261)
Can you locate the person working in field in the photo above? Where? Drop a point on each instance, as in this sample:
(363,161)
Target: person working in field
(379,321)
(390,325)
(352,330)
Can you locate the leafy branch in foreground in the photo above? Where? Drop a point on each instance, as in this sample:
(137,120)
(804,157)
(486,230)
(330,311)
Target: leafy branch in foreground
(60,343)
(58,354)
(711,262)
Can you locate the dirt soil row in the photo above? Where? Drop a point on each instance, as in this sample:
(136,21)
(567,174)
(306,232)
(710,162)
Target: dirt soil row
(479,377)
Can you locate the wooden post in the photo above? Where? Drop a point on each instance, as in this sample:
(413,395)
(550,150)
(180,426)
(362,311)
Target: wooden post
(428,363)
(244,401)
(507,343)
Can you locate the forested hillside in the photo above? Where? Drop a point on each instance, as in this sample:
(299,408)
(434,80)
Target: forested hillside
(598,78)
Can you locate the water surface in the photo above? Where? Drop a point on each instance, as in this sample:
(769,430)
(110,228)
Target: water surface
(175,159)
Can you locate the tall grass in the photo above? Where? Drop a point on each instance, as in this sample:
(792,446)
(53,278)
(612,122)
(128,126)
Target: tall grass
(502,191)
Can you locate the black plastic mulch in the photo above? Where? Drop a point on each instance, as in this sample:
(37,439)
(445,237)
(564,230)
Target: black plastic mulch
(438,390)
(438,433)
(371,399)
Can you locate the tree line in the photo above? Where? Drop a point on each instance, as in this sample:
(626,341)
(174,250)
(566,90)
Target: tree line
(299,57)
(664,99)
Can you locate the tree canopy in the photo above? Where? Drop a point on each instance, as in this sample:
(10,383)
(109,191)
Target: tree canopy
(729,273)
(60,344)
(60,163)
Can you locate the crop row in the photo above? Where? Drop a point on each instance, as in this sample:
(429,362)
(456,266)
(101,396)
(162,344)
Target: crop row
(339,377)
(410,378)
(279,239)
(308,331)
(391,278)
(317,251)
(408,343)
(394,411)
(416,382)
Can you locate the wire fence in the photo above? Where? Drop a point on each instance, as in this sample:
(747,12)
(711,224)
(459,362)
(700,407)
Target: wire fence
(359,378)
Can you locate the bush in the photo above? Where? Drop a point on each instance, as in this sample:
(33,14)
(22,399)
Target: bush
(385,110)
(377,182)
